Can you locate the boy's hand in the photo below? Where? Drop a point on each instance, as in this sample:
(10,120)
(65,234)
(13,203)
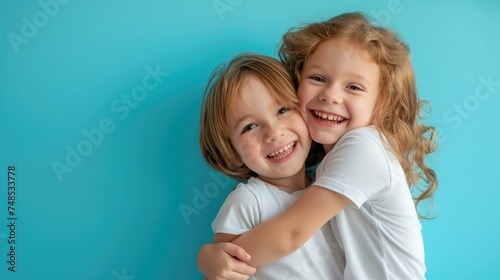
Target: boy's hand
(224,261)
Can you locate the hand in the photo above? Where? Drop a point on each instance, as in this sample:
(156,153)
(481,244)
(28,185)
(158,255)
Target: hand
(224,261)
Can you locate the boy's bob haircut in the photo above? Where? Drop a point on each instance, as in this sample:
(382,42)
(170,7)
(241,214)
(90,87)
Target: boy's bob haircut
(222,88)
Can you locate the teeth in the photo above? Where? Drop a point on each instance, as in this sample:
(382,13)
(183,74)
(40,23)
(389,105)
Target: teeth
(281,153)
(326,117)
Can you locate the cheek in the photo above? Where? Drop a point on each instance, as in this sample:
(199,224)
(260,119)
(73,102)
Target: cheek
(299,122)
(299,127)
(371,107)
(248,151)
(305,95)
(302,103)
(365,113)
(301,92)
(299,119)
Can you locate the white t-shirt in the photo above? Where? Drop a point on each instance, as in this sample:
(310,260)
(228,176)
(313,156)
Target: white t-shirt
(256,201)
(379,231)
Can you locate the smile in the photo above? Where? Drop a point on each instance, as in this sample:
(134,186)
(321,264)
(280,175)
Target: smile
(328,118)
(283,152)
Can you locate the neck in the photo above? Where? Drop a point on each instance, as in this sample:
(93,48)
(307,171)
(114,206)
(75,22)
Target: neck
(296,182)
(328,147)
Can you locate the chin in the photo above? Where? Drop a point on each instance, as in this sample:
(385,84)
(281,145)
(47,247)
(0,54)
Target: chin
(324,138)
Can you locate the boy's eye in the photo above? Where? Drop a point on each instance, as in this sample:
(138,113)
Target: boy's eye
(248,127)
(282,110)
(317,79)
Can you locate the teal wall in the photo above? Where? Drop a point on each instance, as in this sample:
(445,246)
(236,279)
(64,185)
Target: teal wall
(100,109)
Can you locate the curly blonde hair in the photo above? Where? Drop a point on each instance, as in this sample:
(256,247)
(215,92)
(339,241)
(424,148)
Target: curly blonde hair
(398,107)
(223,86)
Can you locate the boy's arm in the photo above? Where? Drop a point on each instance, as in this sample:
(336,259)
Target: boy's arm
(285,233)
(224,260)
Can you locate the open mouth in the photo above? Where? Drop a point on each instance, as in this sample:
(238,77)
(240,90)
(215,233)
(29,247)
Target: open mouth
(328,118)
(283,152)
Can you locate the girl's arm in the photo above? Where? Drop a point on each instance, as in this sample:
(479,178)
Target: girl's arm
(283,234)
(224,260)
(357,168)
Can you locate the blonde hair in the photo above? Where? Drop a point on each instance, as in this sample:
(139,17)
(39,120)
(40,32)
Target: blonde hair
(222,87)
(398,106)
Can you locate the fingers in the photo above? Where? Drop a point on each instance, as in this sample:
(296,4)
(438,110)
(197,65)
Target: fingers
(236,251)
(240,267)
(224,261)
(226,273)
(235,276)
(244,269)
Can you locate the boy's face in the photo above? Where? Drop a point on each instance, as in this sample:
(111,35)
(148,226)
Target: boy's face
(338,90)
(270,139)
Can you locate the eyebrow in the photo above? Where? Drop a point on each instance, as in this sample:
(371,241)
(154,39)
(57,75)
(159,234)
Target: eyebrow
(357,76)
(238,121)
(313,66)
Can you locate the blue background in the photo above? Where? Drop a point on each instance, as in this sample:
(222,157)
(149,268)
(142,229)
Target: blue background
(115,210)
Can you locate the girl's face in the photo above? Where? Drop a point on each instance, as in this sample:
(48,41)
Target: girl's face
(338,90)
(270,139)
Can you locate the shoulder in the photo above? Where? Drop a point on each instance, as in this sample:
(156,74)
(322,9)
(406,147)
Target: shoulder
(367,134)
(241,211)
(359,153)
(357,166)
(250,194)
(360,142)
(253,186)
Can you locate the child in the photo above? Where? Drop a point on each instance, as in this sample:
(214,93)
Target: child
(252,130)
(357,91)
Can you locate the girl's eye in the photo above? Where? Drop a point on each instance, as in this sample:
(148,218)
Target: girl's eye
(282,110)
(354,87)
(317,79)
(248,128)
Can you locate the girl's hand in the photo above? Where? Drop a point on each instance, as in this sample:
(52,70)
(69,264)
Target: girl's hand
(224,261)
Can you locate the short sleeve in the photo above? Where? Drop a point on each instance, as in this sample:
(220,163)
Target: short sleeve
(240,212)
(357,167)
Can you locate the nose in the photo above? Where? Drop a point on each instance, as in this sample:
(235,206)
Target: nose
(331,95)
(273,131)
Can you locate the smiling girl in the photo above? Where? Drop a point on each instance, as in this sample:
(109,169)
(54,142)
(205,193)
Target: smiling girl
(359,100)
